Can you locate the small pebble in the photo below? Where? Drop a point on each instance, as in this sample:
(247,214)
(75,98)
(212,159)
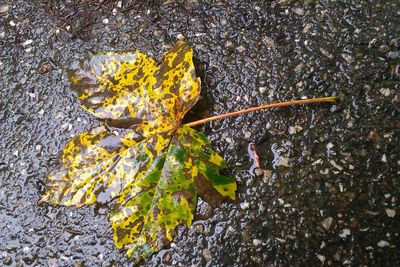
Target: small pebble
(298,11)
(207,254)
(299,67)
(4,8)
(267,175)
(240,48)
(257,242)
(321,258)
(344,233)
(295,129)
(385,91)
(228,44)
(230,229)
(106,21)
(258,172)
(317,162)
(270,42)
(393,54)
(326,53)
(337,166)
(324,171)
(341,187)
(27,42)
(200,228)
(23,81)
(7,260)
(244,205)
(247,134)
(347,57)
(383,48)
(390,212)
(327,223)
(285,162)
(307,28)
(383,244)
(245,236)
(29,258)
(280,240)
(262,89)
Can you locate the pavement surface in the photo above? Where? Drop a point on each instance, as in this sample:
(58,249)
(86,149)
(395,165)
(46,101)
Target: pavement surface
(328,190)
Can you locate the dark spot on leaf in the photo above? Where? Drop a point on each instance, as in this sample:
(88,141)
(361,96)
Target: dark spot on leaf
(166,211)
(183,193)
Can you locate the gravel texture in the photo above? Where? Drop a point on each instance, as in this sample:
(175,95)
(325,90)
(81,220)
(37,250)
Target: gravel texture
(329,186)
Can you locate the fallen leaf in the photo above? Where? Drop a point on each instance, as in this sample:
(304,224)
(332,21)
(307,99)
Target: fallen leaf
(154,167)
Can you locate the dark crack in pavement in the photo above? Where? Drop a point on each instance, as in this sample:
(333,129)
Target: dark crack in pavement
(328,189)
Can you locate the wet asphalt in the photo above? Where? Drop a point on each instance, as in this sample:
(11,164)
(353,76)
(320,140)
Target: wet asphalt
(327,190)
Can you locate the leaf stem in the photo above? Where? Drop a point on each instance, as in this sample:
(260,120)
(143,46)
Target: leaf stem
(273,105)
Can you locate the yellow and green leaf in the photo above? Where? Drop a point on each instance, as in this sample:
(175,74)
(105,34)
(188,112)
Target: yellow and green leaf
(154,167)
